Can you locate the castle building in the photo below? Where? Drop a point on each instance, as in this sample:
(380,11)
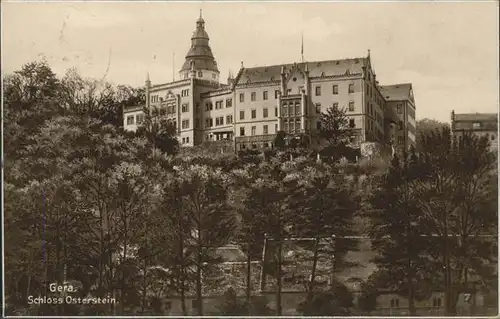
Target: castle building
(480,124)
(257,103)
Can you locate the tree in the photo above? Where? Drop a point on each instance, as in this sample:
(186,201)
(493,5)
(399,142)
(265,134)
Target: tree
(367,301)
(427,126)
(204,202)
(396,231)
(252,224)
(30,99)
(336,131)
(159,132)
(271,196)
(327,208)
(457,193)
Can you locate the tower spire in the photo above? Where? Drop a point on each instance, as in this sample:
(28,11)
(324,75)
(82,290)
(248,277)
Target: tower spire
(200,55)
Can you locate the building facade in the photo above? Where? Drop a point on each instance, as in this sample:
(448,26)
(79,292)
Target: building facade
(259,102)
(480,124)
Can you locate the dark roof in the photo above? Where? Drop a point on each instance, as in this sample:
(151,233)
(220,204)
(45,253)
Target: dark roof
(134,108)
(476,117)
(316,69)
(200,54)
(396,92)
(200,63)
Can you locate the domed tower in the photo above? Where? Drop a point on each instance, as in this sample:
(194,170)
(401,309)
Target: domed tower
(200,62)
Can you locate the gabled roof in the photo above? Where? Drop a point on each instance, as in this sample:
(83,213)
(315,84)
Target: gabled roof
(316,69)
(396,92)
(476,117)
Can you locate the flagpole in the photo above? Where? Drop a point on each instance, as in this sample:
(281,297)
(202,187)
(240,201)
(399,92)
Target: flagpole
(302,47)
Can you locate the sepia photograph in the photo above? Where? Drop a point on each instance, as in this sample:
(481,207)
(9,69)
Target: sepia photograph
(249,159)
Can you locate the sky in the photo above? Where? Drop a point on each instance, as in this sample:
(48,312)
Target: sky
(447,50)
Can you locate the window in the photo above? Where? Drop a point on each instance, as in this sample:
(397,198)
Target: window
(335,89)
(194,303)
(254,129)
(352,124)
(174,124)
(139,118)
(187,139)
(229,102)
(264,112)
(401,125)
(284,111)
(266,130)
(401,140)
(492,136)
(297,109)
(168,306)
(351,88)
(318,108)
(219,120)
(351,106)
(242,115)
(276,94)
(436,302)
(242,97)
(209,106)
(229,119)
(209,122)
(130,120)
(394,303)
(399,109)
(318,90)
(200,74)
(218,105)
(154,112)
(253,96)
(197,123)
(162,111)
(276,128)
(290,109)
(183,140)
(242,131)
(185,107)
(254,113)
(264,95)
(289,91)
(476,125)
(276,111)
(185,124)
(318,125)
(285,125)
(185,92)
